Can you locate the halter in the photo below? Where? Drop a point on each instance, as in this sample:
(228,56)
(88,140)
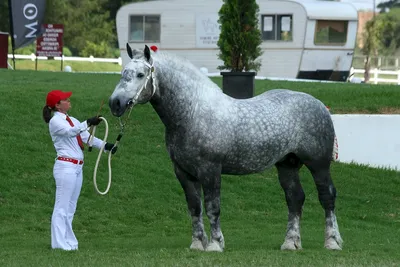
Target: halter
(149,75)
(130,103)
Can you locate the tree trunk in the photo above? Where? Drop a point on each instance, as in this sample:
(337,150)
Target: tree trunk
(367,67)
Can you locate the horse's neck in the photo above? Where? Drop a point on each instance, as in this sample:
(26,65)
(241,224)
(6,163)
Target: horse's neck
(180,91)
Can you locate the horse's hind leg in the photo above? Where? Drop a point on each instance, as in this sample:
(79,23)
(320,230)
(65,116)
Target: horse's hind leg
(192,188)
(211,181)
(288,173)
(320,170)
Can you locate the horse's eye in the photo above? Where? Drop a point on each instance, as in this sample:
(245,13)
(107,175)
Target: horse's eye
(140,75)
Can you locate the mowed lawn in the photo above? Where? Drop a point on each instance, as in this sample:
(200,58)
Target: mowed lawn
(143,221)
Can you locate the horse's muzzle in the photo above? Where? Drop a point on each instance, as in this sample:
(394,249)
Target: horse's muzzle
(117,109)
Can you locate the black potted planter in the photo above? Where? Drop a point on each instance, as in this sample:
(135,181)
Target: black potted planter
(238,85)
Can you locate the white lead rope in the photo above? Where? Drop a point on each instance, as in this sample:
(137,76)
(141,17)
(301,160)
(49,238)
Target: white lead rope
(98,159)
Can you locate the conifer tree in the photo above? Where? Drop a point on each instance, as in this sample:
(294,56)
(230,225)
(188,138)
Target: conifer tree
(240,38)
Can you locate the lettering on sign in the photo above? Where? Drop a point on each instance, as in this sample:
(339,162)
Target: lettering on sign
(30,13)
(207,30)
(50,44)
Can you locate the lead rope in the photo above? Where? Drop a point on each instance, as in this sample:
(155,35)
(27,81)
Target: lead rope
(122,125)
(98,160)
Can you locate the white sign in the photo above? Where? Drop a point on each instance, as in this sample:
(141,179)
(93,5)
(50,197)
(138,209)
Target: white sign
(207,30)
(285,22)
(268,25)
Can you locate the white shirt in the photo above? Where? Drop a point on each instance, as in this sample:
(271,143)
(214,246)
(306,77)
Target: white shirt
(64,136)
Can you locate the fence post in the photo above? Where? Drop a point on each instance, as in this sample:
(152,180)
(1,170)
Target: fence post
(375,71)
(351,74)
(351,71)
(398,77)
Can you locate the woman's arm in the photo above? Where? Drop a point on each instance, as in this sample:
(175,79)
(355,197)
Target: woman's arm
(60,128)
(97,143)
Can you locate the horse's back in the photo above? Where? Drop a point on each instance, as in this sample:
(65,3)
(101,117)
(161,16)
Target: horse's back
(280,95)
(297,112)
(283,104)
(276,123)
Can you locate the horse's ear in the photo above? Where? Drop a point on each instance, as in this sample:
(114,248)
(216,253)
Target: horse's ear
(147,52)
(129,50)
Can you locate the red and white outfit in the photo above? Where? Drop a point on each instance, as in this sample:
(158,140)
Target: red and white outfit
(67,173)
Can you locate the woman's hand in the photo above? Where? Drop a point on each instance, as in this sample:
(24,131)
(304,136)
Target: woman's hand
(94,120)
(110,146)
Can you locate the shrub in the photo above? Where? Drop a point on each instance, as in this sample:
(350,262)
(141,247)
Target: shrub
(96,50)
(67,52)
(240,38)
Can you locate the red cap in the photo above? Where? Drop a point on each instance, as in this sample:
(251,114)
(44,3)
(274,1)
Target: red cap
(55,96)
(154,48)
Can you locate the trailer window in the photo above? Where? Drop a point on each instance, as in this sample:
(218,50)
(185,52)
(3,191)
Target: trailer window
(277,27)
(144,28)
(330,32)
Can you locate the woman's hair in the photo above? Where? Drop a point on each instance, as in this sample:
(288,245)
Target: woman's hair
(47,113)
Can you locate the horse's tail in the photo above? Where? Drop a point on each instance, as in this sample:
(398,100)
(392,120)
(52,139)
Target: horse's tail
(335,151)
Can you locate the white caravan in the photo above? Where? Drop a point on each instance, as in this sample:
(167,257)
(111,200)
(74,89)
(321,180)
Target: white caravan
(301,39)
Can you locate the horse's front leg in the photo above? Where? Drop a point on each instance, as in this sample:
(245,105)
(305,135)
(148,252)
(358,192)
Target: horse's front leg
(192,188)
(211,181)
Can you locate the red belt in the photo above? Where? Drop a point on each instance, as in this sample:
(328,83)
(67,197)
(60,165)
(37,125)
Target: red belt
(74,161)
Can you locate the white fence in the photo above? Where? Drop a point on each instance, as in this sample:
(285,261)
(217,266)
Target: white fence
(87,59)
(374,75)
(357,75)
(386,63)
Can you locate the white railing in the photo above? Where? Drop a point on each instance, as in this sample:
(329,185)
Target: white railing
(392,76)
(389,63)
(64,58)
(374,75)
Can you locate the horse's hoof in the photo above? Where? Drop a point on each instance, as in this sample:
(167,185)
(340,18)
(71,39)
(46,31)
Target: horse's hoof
(333,244)
(214,246)
(197,245)
(291,245)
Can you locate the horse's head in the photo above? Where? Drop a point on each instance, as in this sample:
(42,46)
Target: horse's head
(137,82)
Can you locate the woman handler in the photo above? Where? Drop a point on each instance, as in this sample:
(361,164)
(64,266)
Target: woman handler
(68,136)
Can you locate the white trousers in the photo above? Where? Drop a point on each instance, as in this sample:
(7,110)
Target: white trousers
(68,178)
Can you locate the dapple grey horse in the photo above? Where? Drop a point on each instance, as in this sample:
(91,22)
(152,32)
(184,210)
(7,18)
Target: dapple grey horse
(208,133)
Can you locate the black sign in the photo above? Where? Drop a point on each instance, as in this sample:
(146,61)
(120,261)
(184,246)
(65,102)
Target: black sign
(26,18)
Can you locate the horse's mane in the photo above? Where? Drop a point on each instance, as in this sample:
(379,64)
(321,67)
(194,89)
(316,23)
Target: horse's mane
(178,61)
(174,65)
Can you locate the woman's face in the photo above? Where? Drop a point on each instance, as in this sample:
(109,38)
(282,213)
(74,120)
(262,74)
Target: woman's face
(64,105)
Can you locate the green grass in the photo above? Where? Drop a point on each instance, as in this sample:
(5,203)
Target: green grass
(345,97)
(143,220)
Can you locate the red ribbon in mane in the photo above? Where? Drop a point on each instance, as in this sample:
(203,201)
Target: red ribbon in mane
(154,48)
